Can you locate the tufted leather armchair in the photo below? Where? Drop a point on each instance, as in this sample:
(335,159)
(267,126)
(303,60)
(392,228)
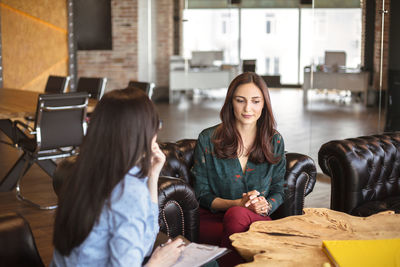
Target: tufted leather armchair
(177,202)
(365,173)
(300,178)
(18,247)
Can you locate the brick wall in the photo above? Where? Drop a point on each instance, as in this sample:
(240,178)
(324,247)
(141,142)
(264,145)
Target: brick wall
(119,65)
(377,45)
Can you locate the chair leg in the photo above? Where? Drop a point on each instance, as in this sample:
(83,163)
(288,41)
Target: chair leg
(8,143)
(10,180)
(48,165)
(6,126)
(19,195)
(22,198)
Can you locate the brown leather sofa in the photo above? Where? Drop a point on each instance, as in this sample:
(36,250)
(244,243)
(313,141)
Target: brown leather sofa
(365,173)
(177,201)
(300,178)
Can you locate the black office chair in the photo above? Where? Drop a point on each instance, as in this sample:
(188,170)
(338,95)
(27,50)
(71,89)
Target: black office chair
(18,247)
(272,81)
(145,86)
(59,129)
(56,84)
(95,86)
(249,65)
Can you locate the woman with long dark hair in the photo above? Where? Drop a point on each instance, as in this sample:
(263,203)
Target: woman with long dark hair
(239,165)
(108,206)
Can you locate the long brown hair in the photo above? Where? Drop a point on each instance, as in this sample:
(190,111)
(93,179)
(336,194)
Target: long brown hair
(118,138)
(227,139)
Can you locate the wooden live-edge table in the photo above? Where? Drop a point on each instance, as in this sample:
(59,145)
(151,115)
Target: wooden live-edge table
(297,240)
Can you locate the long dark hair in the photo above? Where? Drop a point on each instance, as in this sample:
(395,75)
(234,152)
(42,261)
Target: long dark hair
(227,139)
(118,138)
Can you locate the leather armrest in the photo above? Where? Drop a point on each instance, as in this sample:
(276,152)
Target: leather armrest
(300,180)
(18,247)
(362,169)
(178,208)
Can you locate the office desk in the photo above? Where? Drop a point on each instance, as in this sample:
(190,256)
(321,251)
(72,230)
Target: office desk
(198,79)
(352,81)
(15,104)
(18,104)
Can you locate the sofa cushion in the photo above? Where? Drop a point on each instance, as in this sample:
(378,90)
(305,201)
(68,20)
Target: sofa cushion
(372,207)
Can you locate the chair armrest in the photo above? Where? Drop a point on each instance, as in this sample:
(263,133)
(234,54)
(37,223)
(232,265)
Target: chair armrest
(178,207)
(29,118)
(300,180)
(21,131)
(25,127)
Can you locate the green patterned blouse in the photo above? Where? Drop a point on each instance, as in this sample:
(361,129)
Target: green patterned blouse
(224,178)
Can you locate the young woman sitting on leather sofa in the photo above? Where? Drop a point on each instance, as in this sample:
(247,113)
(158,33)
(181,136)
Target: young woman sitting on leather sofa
(178,207)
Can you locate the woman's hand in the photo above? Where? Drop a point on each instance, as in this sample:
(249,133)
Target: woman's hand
(248,197)
(259,205)
(157,160)
(254,202)
(166,255)
(248,200)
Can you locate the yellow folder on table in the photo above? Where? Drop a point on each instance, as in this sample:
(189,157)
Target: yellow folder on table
(379,252)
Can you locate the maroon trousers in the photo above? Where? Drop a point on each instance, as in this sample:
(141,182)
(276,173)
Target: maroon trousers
(215,229)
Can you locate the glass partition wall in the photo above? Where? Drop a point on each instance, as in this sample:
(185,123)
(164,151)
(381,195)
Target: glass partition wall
(316,51)
(338,89)
(334,88)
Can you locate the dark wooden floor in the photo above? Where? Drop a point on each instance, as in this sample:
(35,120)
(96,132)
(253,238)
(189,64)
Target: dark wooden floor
(304,130)
(37,186)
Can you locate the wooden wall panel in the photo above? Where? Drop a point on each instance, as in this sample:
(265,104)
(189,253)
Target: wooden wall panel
(51,11)
(33,47)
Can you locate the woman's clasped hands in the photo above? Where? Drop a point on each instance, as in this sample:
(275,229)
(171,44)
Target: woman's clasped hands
(256,203)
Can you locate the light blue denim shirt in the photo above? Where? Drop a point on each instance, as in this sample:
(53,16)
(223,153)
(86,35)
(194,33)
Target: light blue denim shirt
(124,234)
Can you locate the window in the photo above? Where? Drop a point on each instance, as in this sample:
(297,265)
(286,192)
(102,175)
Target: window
(269,23)
(334,29)
(276,65)
(200,33)
(271,36)
(281,42)
(268,27)
(223,27)
(267,66)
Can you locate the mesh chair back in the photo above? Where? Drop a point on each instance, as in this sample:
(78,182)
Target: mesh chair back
(145,86)
(60,120)
(94,86)
(56,84)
